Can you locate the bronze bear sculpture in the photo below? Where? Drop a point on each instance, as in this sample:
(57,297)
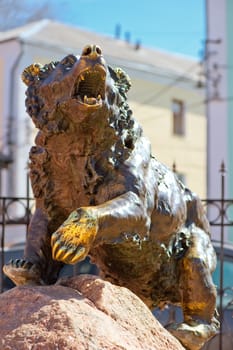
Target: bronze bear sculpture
(99,192)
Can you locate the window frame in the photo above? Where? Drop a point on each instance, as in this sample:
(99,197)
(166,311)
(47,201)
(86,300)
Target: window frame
(178,117)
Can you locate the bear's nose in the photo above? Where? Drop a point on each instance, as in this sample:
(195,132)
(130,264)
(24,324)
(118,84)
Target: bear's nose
(92,51)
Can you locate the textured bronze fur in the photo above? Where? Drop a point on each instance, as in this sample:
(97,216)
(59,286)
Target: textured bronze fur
(99,192)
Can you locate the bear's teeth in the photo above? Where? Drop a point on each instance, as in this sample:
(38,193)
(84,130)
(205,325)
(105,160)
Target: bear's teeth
(89,100)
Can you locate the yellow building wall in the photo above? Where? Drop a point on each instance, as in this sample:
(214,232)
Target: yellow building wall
(155,116)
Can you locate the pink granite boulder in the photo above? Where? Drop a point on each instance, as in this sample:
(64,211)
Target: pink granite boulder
(79,313)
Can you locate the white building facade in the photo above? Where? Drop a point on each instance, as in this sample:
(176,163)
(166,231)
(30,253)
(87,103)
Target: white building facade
(219,74)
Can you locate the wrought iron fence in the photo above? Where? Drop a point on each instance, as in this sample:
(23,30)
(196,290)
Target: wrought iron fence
(219,213)
(17,212)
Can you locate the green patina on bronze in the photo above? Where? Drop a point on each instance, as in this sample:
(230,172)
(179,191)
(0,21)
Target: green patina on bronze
(99,192)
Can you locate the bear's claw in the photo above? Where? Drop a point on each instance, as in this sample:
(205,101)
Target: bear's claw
(23,272)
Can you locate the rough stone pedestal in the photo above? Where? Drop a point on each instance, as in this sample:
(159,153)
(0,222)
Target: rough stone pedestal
(83,313)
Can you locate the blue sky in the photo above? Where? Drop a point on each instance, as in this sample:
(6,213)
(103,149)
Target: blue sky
(173,25)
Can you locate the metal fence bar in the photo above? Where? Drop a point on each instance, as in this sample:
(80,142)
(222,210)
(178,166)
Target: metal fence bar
(2,244)
(221,282)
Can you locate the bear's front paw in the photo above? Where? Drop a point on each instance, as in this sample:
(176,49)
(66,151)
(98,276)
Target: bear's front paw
(22,272)
(73,239)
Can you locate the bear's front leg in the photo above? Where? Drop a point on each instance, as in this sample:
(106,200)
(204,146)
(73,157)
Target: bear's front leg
(89,226)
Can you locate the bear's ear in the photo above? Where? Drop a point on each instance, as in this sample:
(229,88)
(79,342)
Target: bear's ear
(31,73)
(122,80)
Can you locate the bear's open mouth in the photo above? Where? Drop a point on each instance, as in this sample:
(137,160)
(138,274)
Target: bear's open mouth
(90,86)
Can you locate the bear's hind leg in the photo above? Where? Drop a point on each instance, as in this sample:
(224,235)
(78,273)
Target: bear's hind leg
(198,293)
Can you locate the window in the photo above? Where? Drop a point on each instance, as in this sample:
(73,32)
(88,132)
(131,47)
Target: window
(178,117)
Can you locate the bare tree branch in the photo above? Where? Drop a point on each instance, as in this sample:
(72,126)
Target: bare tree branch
(14,13)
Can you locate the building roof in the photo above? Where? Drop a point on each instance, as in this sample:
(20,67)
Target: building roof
(72,39)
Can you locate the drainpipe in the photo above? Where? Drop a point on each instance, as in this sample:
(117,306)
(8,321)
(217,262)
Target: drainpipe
(207,103)
(10,132)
